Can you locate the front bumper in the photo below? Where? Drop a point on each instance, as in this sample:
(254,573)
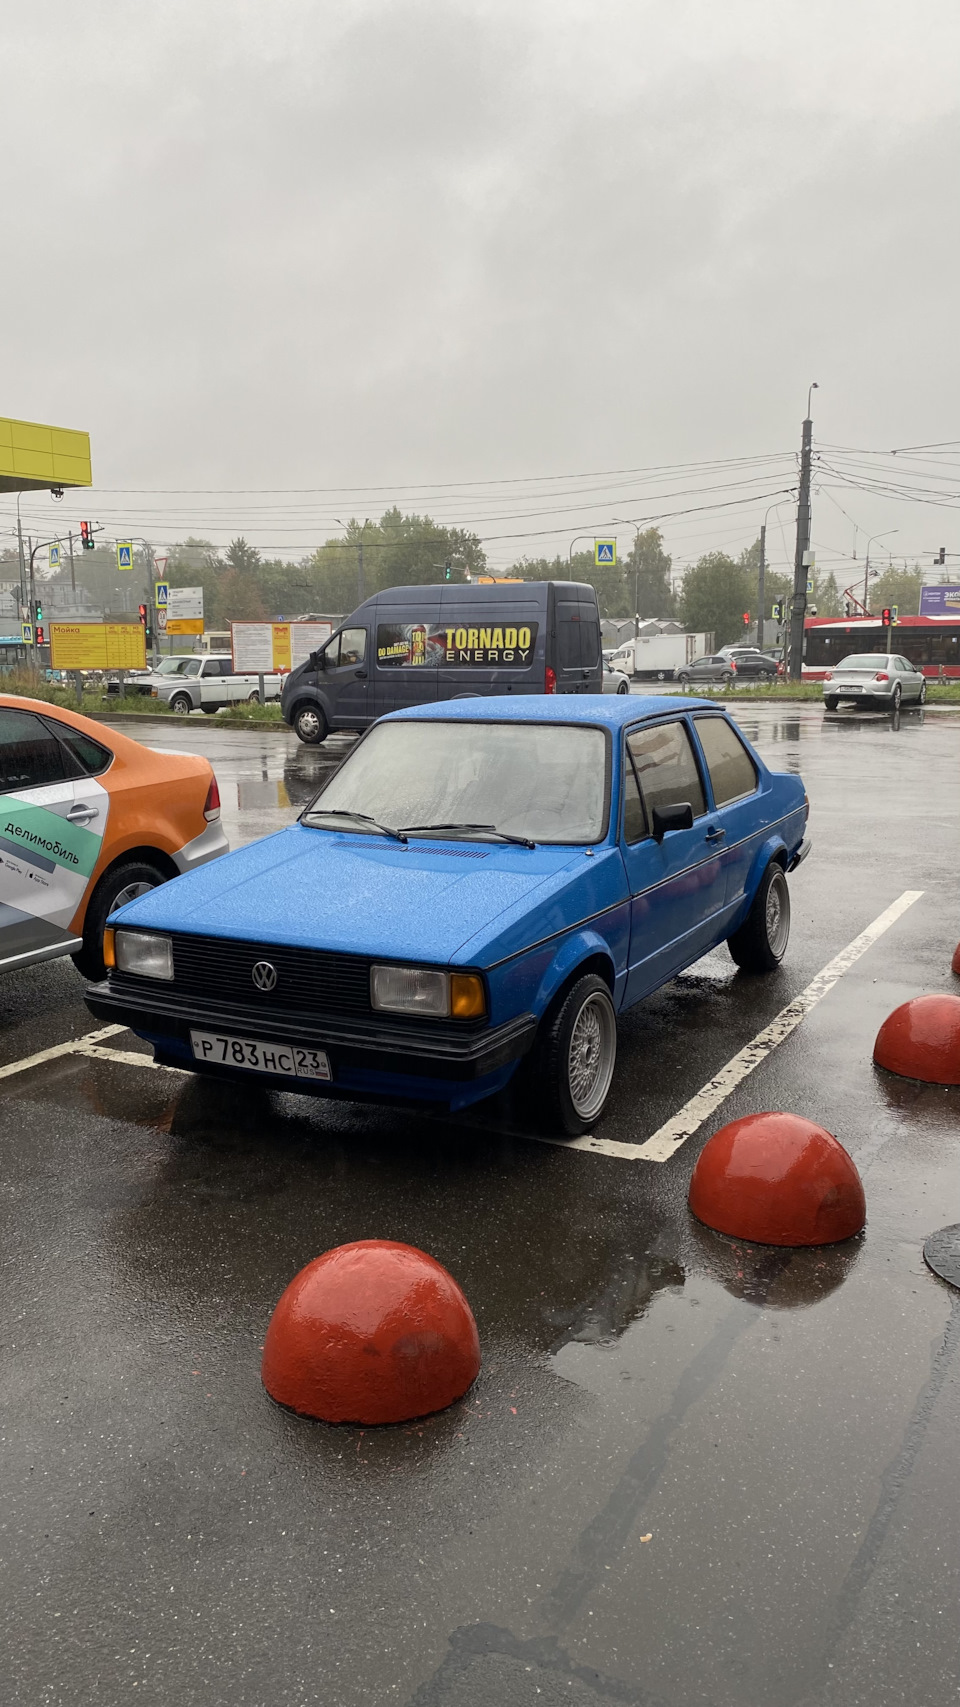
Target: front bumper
(414,1052)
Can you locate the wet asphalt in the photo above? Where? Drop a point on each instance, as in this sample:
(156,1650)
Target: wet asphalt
(690,1472)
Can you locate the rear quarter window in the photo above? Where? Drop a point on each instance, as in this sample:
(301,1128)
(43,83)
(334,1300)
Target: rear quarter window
(732,771)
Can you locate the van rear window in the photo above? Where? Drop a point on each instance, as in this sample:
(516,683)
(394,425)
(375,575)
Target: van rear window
(436,643)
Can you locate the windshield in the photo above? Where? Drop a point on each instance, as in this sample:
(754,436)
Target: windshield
(176,666)
(544,781)
(864,661)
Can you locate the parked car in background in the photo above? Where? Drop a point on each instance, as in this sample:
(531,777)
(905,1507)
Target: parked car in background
(88,820)
(752,664)
(478,890)
(880,678)
(713,668)
(614,681)
(209,683)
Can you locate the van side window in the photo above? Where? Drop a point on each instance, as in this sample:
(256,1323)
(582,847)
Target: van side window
(349,647)
(666,766)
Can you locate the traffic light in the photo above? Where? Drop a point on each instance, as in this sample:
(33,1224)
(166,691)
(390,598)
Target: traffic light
(143,614)
(86,536)
(41,637)
(447,570)
(746,619)
(941,556)
(38,611)
(886,617)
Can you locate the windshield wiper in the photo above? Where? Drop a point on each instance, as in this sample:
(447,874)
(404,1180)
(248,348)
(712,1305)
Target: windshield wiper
(362,817)
(487,829)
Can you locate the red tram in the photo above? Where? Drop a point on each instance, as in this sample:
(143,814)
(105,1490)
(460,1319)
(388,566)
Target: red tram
(932,643)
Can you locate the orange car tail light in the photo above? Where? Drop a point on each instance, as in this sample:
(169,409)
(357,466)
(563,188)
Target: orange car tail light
(211,806)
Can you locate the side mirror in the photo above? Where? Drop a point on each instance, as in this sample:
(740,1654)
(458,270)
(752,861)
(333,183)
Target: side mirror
(679,817)
(317,660)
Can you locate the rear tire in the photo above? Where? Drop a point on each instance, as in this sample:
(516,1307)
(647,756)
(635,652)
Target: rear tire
(310,724)
(122,883)
(209,710)
(254,697)
(896,696)
(831,703)
(922,695)
(571,1066)
(181,703)
(761,942)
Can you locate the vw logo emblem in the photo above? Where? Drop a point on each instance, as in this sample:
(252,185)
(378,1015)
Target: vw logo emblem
(264,975)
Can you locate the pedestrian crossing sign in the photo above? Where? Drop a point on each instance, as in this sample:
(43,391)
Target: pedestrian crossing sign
(124,554)
(604,552)
(53,557)
(161,594)
(26,633)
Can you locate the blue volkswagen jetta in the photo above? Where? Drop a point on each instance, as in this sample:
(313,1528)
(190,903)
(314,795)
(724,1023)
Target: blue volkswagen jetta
(482,886)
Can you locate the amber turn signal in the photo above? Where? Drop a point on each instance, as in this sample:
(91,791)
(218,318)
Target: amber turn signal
(109,956)
(467,999)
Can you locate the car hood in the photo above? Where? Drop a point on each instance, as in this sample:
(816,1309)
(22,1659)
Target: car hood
(358,894)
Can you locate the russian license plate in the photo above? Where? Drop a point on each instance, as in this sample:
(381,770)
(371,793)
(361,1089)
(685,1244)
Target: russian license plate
(285,1059)
(852,687)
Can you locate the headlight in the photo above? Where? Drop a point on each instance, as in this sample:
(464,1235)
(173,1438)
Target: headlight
(417,990)
(144,953)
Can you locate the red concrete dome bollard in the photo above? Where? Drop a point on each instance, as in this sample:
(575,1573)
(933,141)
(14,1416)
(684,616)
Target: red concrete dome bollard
(921,1040)
(955,962)
(777,1179)
(373,1332)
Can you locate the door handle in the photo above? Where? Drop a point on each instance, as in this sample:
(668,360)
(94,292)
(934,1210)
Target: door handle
(715,834)
(361,675)
(81,814)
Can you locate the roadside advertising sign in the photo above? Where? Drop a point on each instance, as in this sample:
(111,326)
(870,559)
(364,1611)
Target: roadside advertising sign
(940,601)
(185,610)
(261,648)
(97,646)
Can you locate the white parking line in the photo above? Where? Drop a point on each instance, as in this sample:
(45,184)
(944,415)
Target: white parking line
(127,1057)
(668,1138)
(59,1049)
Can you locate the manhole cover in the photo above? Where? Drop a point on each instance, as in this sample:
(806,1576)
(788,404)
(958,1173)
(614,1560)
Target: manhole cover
(942,1253)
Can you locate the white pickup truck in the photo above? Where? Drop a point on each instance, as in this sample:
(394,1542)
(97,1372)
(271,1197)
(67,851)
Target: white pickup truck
(208,683)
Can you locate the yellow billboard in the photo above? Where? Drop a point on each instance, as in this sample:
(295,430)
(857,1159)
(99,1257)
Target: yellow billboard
(97,646)
(34,456)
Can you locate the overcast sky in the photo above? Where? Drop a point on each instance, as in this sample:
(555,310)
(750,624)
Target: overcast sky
(406,244)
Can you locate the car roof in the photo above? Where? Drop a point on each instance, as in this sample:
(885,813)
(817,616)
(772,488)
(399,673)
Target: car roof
(611,709)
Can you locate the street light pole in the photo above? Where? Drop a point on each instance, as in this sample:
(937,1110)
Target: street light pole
(801,558)
(762,570)
(866,567)
(624,522)
(576,541)
(361,581)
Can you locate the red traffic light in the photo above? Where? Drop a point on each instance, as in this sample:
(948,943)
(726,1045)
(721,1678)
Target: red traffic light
(41,637)
(886,617)
(143,614)
(84,530)
(746,619)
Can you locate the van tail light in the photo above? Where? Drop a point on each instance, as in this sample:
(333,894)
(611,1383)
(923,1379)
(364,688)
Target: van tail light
(550,681)
(211,806)
(881,676)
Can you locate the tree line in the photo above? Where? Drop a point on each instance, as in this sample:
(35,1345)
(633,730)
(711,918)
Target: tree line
(402,550)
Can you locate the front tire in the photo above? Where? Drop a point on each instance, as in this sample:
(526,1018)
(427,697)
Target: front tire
(761,942)
(573,1060)
(310,724)
(121,884)
(684,677)
(623,688)
(182,704)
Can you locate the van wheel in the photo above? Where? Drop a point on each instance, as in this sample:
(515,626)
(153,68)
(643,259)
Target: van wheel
(571,1065)
(310,724)
(125,882)
(761,942)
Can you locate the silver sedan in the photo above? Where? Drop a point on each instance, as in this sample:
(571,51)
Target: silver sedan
(882,678)
(614,681)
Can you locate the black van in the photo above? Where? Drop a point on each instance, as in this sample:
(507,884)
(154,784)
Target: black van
(411,645)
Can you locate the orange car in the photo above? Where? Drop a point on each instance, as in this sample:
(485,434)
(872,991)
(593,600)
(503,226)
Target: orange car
(89,820)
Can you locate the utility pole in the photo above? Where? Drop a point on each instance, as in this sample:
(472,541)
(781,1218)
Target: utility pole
(761,572)
(801,559)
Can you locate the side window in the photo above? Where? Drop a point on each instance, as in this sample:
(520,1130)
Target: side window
(665,764)
(30,754)
(350,647)
(568,636)
(90,756)
(589,638)
(634,816)
(732,771)
(213,667)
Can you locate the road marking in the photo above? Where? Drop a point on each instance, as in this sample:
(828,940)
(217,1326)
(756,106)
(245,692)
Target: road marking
(668,1138)
(59,1049)
(127,1057)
